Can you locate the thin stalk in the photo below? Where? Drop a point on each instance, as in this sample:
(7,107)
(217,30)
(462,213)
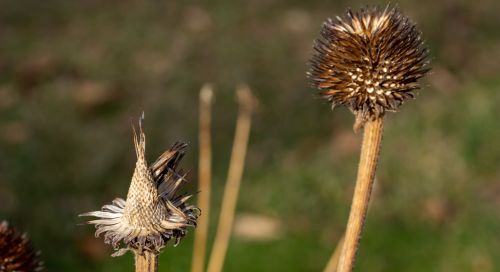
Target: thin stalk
(334,259)
(147,262)
(235,173)
(204,180)
(366,172)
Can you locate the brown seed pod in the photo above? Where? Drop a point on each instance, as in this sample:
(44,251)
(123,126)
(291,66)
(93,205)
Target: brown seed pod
(16,253)
(154,211)
(369,61)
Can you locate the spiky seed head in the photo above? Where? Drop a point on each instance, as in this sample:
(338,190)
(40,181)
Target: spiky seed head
(16,253)
(369,61)
(154,211)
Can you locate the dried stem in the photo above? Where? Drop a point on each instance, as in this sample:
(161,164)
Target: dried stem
(334,259)
(364,183)
(232,187)
(147,262)
(204,180)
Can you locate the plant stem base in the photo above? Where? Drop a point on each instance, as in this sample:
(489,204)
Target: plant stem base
(147,262)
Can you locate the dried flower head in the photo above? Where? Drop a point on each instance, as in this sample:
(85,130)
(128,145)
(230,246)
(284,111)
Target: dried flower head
(16,253)
(154,211)
(369,61)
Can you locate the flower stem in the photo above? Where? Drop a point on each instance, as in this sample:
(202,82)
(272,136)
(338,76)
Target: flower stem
(147,262)
(233,182)
(366,173)
(334,259)
(204,181)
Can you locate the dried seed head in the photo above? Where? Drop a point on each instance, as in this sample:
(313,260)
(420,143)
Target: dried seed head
(369,61)
(154,211)
(16,253)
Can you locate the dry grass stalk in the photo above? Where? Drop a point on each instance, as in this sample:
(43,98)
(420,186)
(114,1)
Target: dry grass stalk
(204,180)
(333,263)
(235,172)
(369,61)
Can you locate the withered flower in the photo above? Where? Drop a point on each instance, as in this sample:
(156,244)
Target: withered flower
(154,211)
(16,253)
(369,61)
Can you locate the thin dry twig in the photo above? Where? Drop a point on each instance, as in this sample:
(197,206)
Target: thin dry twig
(333,263)
(147,262)
(370,149)
(235,172)
(205,178)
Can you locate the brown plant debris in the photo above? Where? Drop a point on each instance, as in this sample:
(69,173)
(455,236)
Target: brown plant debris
(16,253)
(369,61)
(154,211)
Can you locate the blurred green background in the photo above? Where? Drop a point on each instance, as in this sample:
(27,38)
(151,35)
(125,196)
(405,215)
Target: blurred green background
(73,73)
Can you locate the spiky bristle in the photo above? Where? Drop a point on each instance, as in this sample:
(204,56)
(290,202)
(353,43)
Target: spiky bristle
(16,253)
(369,61)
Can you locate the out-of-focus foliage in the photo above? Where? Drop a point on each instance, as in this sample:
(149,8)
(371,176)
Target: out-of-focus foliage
(73,73)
